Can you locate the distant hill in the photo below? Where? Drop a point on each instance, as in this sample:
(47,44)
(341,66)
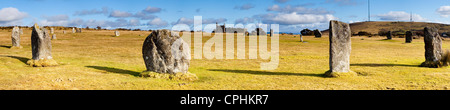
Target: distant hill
(375,27)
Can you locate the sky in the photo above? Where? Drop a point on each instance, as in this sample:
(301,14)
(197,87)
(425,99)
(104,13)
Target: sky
(291,15)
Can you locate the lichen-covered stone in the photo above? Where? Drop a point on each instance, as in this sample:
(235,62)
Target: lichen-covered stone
(41,48)
(15,37)
(340,48)
(166,52)
(433,48)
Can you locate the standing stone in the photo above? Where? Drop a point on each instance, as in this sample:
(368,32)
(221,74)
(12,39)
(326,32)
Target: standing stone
(64,32)
(301,38)
(408,38)
(41,48)
(78,30)
(389,35)
(21,31)
(117,33)
(317,33)
(53,36)
(433,48)
(340,48)
(166,52)
(271,32)
(15,37)
(260,31)
(52,31)
(73,30)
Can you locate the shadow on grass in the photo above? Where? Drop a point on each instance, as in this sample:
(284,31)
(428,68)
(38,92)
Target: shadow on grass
(5,46)
(381,65)
(267,72)
(22,59)
(115,70)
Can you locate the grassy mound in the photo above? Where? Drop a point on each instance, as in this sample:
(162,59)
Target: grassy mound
(178,76)
(42,63)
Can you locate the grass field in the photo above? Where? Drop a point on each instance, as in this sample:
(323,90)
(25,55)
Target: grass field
(97,60)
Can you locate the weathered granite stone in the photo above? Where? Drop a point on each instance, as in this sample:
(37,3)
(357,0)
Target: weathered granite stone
(41,48)
(408,38)
(433,48)
(78,30)
(117,33)
(15,37)
(389,35)
(64,32)
(73,30)
(340,48)
(53,36)
(166,52)
(317,33)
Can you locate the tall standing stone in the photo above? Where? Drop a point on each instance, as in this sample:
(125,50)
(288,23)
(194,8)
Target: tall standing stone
(166,52)
(301,38)
(317,33)
(408,38)
(15,37)
(117,33)
(433,48)
(52,31)
(73,30)
(389,35)
(340,48)
(41,48)
(271,32)
(64,31)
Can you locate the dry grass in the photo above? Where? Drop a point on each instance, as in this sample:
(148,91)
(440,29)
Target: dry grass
(97,60)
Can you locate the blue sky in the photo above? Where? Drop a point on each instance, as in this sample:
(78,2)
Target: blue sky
(292,15)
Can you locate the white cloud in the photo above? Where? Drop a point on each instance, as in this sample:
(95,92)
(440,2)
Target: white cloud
(294,18)
(444,11)
(298,9)
(400,16)
(342,2)
(281,1)
(158,22)
(57,18)
(120,14)
(104,10)
(244,7)
(150,9)
(189,21)
(244,20)
(11,16)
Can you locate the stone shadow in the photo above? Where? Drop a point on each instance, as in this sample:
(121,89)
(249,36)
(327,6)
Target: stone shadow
(115,70)
(268,73)
(22,59)
(5,46)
